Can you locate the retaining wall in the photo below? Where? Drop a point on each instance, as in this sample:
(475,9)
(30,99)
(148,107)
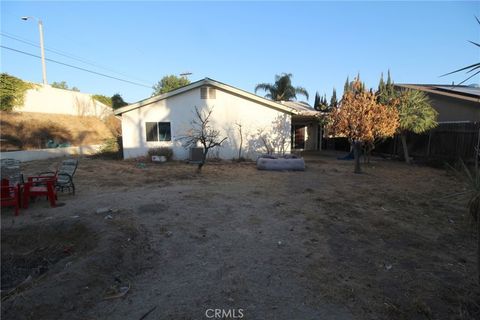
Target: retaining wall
(41,154)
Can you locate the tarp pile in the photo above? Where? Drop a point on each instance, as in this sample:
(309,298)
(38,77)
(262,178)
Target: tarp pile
(280,163)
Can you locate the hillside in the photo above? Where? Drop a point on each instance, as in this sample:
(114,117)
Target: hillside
(24,131)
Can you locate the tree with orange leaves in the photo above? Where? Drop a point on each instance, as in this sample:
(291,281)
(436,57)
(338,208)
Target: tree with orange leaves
(361,119)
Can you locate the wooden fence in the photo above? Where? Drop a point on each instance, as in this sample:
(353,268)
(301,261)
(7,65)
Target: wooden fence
(446,142)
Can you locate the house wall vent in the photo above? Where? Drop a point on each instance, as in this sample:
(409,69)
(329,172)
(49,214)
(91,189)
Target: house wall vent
(207,93)
(196,155)
(212,93)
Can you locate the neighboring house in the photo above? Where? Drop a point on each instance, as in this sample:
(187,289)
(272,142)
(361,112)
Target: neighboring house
(162,120)
(59,101)
(453,103)
(457,133)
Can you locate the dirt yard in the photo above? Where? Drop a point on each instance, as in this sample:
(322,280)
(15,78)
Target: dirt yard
(167,243)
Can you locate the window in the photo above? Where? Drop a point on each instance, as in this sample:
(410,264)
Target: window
(203,93)
(211,93)
(207,93)
(158,131)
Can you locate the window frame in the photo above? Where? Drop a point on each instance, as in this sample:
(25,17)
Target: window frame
(162,133)
(208,93)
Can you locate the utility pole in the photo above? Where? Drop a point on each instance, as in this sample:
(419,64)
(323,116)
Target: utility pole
(42,48)
(185,74)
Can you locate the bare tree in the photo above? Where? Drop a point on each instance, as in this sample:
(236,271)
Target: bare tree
(239,127)
(202,132)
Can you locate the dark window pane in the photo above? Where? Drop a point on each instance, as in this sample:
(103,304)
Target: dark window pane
(203,93)
(152,131)
(164,131)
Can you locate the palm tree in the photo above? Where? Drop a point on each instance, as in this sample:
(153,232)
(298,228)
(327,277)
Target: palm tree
(282,89)
(416,115)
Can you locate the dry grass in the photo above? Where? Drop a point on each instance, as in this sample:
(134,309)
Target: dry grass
(23,131)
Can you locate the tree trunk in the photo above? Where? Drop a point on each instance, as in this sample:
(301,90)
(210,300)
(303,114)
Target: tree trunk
(405,148)
(357,151)
(241,141)
(204,159)
(241,145)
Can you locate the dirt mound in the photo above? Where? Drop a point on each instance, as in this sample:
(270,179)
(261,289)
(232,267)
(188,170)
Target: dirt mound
(25,258)
(50,270)
(23,131)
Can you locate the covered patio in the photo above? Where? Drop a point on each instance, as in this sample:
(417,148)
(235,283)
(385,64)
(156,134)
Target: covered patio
(307,131)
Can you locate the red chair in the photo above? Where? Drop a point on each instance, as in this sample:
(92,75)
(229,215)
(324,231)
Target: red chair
(9,196)
(40,186)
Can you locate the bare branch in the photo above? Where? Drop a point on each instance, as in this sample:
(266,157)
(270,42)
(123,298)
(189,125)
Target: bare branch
(202,132)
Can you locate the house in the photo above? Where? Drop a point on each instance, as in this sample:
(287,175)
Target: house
(453,103)
(266,126)
(457,133)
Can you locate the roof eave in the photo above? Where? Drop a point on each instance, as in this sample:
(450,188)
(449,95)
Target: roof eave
(441,93)
(154,99)
(250,96)
(213,83)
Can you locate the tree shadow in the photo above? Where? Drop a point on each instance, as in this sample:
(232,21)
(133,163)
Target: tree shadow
(274,139)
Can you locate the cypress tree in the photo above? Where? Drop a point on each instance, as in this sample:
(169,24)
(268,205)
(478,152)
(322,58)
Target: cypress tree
(316,104)
(381,85)
(389,86)
(386,91)
(346,86)
(333,99)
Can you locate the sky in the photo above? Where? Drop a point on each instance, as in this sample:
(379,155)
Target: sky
(239,43)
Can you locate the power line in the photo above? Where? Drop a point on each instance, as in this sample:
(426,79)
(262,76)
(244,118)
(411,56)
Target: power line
(75,67)
(64,54)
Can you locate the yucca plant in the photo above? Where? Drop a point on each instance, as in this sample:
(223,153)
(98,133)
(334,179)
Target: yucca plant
(475,68)
(471,178)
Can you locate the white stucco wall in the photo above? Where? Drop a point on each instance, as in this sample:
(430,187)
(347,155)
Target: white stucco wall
(42,154)
(59,101)
(228,110)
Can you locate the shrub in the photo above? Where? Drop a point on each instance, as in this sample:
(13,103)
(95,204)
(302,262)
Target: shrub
(109,145)
(12,91)
(103,99)
(110,149)
(161,151)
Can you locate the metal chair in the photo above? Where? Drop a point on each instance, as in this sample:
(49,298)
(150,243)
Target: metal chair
(11,171)
(9,162)
(64,175)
